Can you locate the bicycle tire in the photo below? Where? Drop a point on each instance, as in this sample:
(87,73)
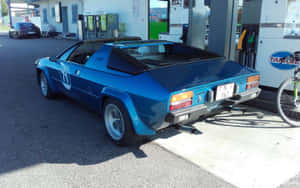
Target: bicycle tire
(286,113)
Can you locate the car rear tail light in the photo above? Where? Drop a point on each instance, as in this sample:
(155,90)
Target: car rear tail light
(181,100)
(253,81)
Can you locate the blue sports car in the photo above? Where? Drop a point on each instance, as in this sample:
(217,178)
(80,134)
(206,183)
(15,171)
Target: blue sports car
(141,86)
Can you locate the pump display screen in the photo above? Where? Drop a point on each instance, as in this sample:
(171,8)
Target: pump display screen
(91,23)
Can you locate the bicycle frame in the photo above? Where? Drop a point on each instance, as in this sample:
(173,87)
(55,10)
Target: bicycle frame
(290,108)
(296,84)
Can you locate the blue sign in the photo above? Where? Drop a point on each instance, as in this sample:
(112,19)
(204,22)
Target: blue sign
(283,60)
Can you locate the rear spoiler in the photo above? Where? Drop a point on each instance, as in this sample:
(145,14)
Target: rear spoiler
(110,40)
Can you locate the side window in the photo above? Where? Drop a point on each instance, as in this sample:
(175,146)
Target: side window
(124,63)
(45,16)
(67,53)
(53,12)
(83,53)
(74,13)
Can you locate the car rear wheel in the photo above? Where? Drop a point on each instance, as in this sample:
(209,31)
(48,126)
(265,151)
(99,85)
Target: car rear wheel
(118,123)
(45,89)
(18,35)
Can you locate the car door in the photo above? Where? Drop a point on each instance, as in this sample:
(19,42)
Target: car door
(58,70)
(78,79)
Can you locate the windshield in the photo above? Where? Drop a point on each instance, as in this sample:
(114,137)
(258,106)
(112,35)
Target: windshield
(167,54)
(134,58)
(25,25)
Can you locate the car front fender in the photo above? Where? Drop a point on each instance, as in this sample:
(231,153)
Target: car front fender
(139,127)
(47,74)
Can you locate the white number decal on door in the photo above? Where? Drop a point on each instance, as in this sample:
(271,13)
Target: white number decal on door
(66,79)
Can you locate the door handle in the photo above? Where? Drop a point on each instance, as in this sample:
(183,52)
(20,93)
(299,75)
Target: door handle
(77,72)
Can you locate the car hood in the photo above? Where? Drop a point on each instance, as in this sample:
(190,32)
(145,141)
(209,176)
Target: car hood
(186,76)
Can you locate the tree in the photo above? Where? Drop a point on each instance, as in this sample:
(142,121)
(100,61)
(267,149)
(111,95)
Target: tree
(4,8)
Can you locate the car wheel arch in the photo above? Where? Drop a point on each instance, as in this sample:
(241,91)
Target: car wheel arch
(38,75)
(44,70)
(139,127)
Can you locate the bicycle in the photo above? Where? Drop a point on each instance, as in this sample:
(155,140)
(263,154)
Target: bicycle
(288,98)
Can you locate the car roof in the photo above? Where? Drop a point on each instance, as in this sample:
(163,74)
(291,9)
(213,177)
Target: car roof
(111,40)
(140,43)
(24,23)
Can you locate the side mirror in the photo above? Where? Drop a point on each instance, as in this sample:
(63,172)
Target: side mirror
(53,59)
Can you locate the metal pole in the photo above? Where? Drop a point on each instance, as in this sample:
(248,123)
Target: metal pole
(9,12)
(189,37)
(28,8)
(223,22)
(1,18)
(1,10)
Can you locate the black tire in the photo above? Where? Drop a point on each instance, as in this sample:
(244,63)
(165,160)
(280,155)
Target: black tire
(19,36)
(284,106)
(38,35)
(9,34)
(45,89)
(129,136)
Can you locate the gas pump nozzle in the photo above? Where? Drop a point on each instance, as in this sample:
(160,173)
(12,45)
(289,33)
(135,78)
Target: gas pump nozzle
(241,40)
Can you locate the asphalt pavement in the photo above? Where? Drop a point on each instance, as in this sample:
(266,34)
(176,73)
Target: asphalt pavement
(60,143)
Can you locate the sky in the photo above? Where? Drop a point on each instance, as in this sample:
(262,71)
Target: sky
(158,4)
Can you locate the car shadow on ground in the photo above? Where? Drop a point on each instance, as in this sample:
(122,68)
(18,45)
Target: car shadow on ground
(78,138)
(249,119)
(27,38)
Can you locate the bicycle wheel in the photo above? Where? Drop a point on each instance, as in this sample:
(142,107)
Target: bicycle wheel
(288,101)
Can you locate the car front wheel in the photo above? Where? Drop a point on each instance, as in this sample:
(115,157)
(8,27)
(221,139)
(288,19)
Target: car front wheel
(118,123)
(45,89)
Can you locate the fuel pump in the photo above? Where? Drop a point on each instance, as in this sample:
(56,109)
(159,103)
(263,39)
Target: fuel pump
(92,27)
(103,26)
(98,23)
(187,23)
(273,33)
(248,45)
(85,28)
(103,23)
(178,16)
(80,22)
(112,24)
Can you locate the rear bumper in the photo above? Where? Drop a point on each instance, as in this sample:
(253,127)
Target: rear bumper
(32,33)
(195,112)
(187,115)
(243,97)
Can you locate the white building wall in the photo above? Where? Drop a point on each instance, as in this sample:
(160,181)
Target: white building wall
(73,28)
(17,19)
(131,12)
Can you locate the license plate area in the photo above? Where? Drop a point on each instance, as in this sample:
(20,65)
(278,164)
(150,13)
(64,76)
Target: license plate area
(225,91)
